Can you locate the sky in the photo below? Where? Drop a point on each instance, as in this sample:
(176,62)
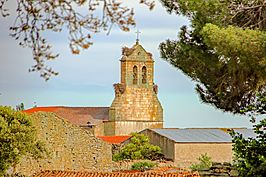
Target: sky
(87,79)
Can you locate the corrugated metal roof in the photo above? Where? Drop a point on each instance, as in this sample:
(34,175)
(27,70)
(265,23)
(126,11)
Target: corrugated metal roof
(246,133)
(195,135)
(202,135)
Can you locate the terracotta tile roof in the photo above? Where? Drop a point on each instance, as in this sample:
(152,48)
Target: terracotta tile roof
(43,109)
(114,139)
(77,115)
(163,169)
(113,174)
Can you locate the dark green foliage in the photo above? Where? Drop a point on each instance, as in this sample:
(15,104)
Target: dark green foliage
(138,148)
(143,165)
(258,107)
(20,107)
(224,53)
(205,163)
(17,138)
(246,150)
(225,59)
(250,154)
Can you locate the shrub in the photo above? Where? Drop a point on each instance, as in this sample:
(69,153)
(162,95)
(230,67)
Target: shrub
(250,153)
(205,163)
(139,148)
(17,138)
(143,165)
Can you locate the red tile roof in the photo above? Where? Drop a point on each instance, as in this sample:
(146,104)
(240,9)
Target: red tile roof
(43,109)
(113,174)
(77,115)
(114,139)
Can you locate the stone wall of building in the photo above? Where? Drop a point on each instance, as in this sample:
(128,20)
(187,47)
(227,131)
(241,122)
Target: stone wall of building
(136,103)
(140,58)
(127,72)
(134,110)
(188,153)
(127,127)
(99,130)
(71,147)
(136,96)
(96,130)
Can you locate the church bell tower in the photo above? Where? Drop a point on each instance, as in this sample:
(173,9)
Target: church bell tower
(135,106)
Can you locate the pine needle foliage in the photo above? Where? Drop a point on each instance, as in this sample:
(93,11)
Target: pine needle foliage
(222,54)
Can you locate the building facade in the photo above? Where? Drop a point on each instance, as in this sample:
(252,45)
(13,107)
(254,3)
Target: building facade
(185,146)
(136,105)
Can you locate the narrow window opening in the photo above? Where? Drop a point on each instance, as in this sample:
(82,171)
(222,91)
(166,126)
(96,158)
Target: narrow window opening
(144,75)
(135,75)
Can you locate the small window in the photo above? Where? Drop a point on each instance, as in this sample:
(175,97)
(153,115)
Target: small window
(144,75)
(135,75)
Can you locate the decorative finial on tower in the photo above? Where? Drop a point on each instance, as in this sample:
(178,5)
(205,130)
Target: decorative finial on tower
(137,40)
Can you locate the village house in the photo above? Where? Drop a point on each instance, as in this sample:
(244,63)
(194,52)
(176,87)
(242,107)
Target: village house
(185,146)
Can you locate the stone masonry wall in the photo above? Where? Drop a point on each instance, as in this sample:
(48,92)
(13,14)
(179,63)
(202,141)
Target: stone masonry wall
(71,147)
(127,72)
(127,127)
(136,103)
(219,169)
(139,57)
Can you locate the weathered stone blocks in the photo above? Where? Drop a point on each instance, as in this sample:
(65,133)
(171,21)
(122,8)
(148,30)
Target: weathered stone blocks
(71,147)
(136,106)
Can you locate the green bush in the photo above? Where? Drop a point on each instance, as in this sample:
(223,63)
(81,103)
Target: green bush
(139,148)
(17,138)
(250,153)
(143,165)
(205,163)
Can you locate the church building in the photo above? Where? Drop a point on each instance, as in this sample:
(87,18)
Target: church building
(135,106)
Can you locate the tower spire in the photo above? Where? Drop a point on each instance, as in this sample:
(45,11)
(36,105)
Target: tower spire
(137,40)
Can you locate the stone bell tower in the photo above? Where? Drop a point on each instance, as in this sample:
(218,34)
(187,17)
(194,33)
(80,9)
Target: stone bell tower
(135,106)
